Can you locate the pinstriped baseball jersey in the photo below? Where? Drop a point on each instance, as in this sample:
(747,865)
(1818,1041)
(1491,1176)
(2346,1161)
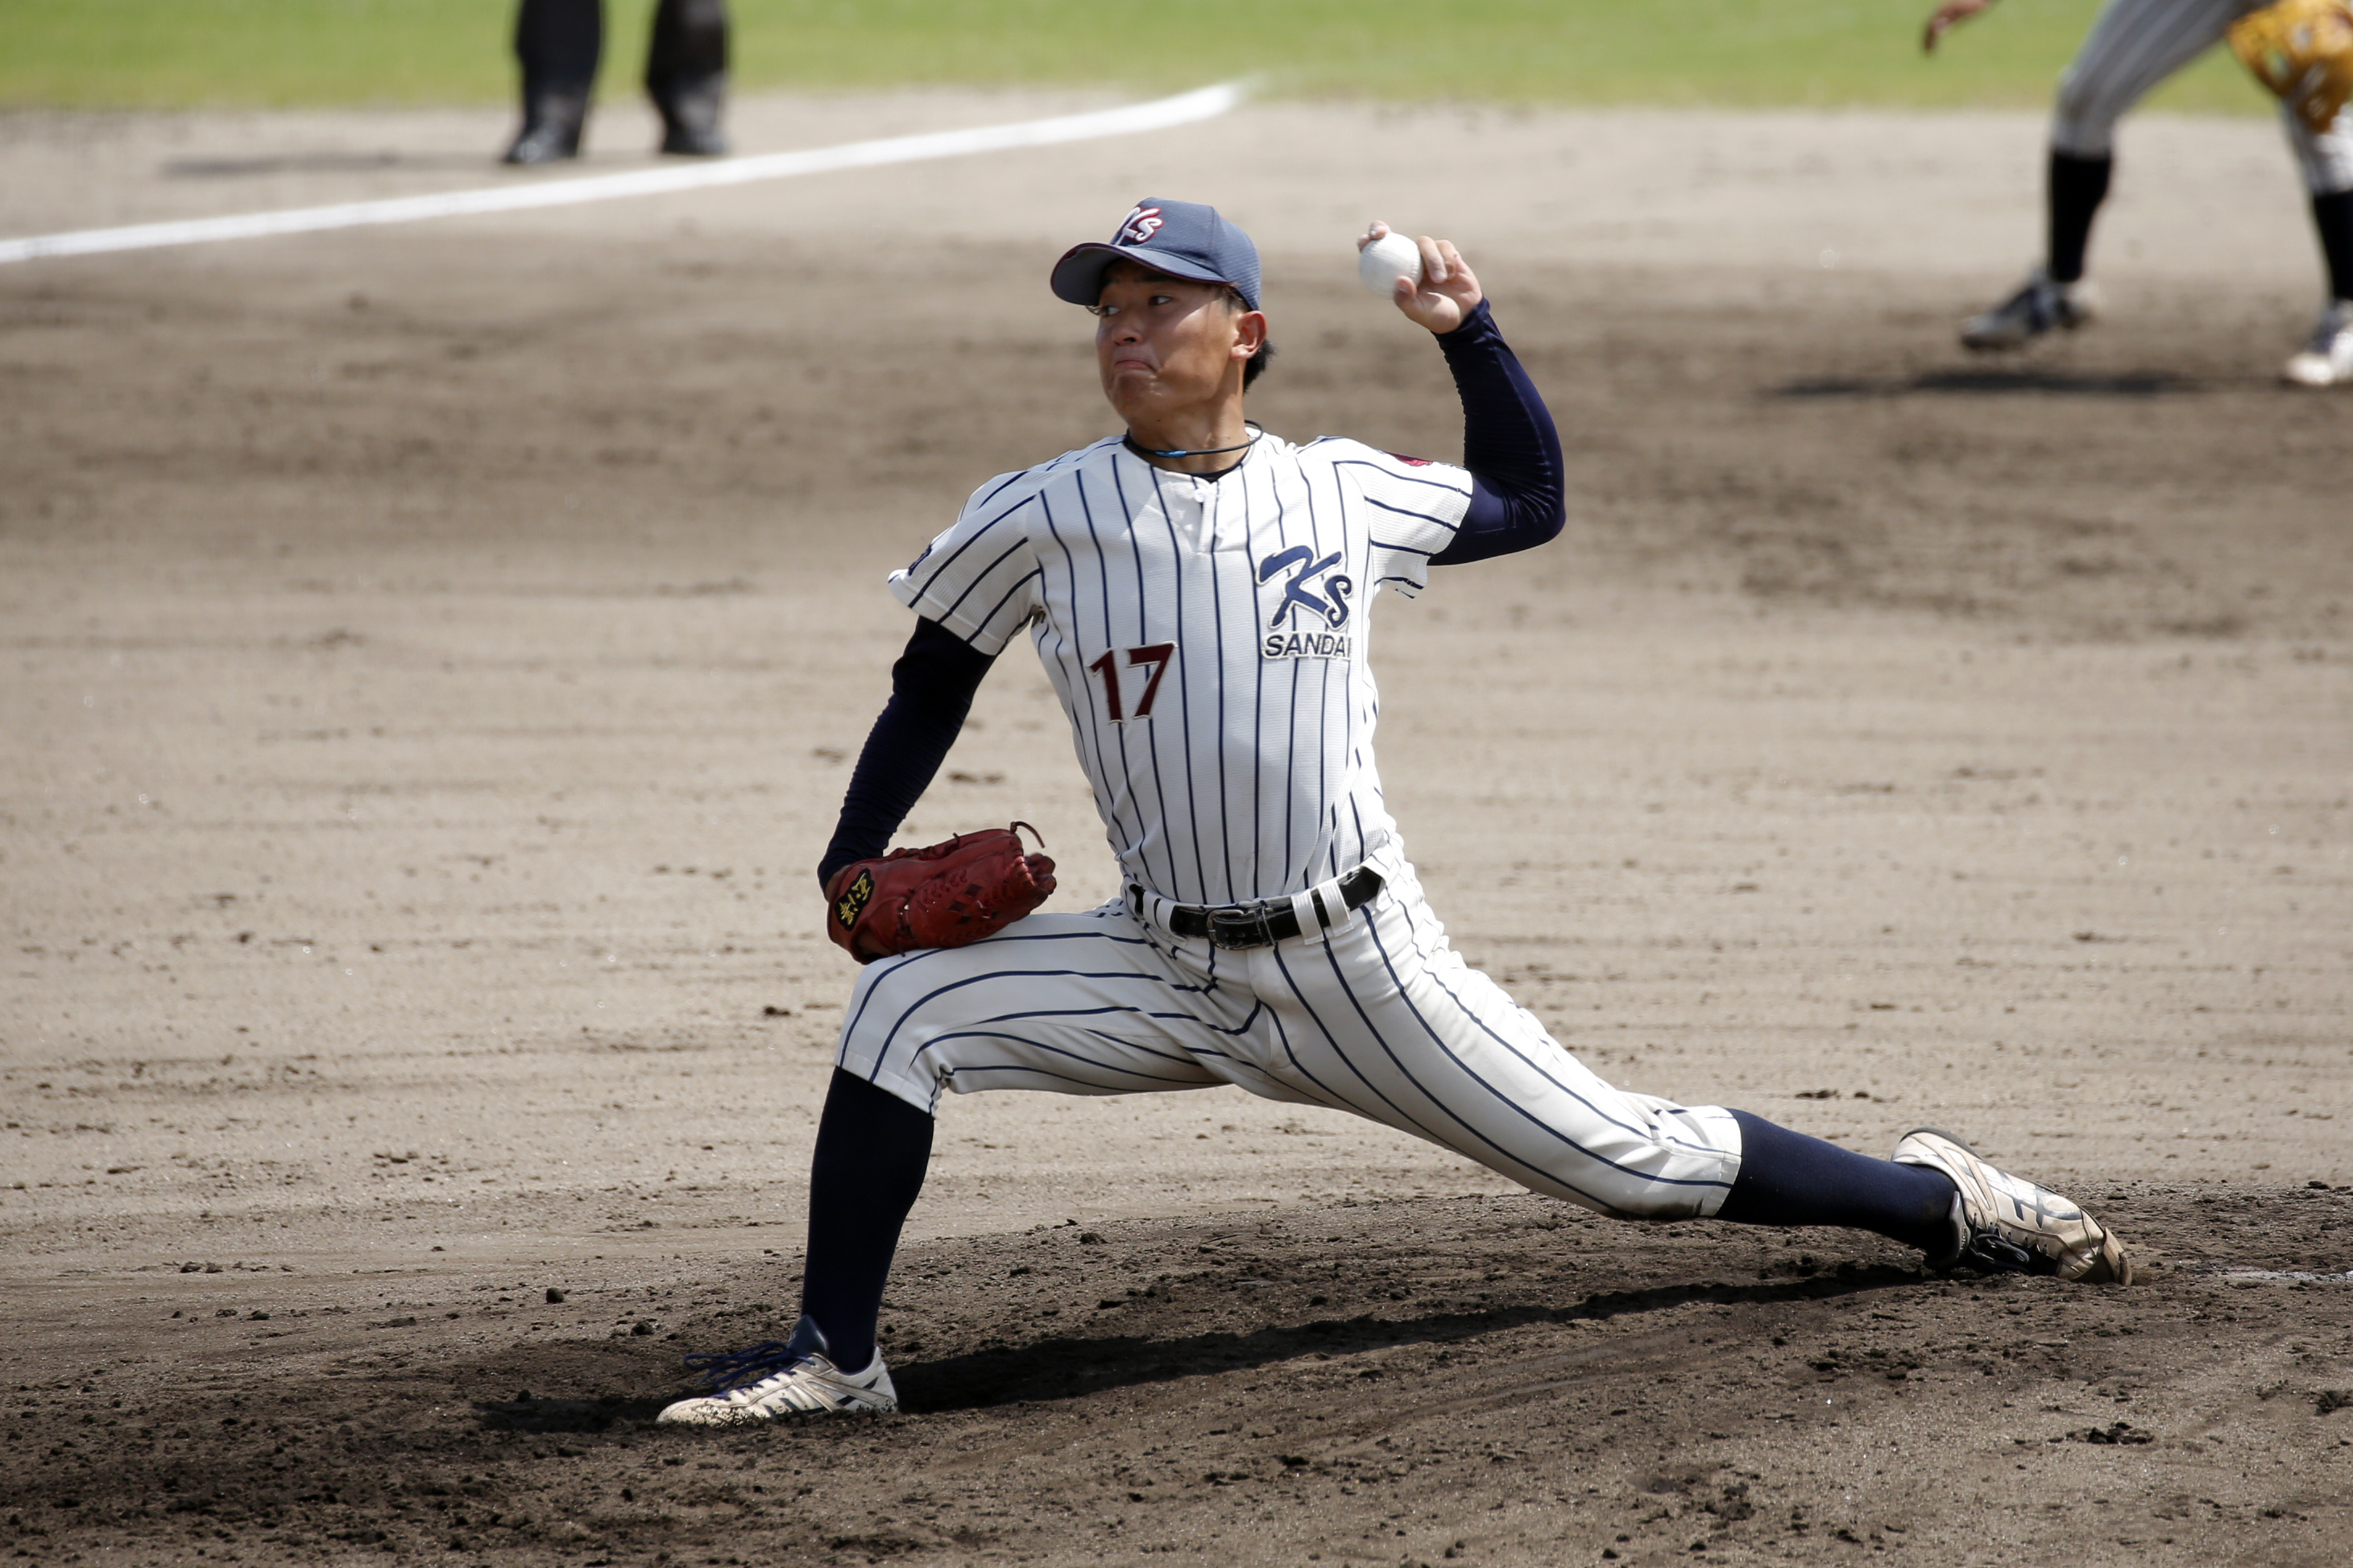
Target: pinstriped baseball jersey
(1208,640)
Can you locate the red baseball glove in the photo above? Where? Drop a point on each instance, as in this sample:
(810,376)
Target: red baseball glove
(942,895)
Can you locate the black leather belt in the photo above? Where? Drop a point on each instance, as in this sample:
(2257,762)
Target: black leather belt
(1264,923)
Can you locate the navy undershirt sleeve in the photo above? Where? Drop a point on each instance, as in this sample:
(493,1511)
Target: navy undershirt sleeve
(932,688)
(1508,444)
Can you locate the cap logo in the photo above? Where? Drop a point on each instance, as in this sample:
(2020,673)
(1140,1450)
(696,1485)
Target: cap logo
(1141,224)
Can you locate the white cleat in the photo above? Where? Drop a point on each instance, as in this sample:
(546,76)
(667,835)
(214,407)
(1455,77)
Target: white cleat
(774,1382)
(2328,359)
(2002,1222)
(2040,306)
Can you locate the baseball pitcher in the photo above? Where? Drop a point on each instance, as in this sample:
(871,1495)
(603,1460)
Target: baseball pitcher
(1197,589)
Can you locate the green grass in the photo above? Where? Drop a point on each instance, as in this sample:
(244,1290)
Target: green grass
(166,54)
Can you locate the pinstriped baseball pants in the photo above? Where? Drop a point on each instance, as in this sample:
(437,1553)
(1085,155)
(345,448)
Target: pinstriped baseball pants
(2137,44)
(1378,1017)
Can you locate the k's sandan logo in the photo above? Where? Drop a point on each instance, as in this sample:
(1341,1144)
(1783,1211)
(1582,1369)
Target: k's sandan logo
(1140,224)
(854,900)
(1300,592)
(1312,591)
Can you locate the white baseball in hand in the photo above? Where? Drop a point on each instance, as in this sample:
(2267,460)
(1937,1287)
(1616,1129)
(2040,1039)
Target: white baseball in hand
(1380,264)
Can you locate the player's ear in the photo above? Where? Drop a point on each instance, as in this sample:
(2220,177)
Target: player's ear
(1249,333)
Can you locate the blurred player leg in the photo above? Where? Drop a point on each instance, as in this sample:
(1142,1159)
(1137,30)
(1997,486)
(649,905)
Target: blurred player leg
(686,74)
(559,43)
(2327,160)
(2072,191)
(2133,46)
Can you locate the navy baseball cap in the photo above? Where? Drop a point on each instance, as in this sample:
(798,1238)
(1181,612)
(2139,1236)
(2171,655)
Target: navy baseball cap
(1184,239)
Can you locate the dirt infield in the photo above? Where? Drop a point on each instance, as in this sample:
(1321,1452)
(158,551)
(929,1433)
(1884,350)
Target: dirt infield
(432,658)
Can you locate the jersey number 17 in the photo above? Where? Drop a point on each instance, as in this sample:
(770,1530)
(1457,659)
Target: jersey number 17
(1153,655)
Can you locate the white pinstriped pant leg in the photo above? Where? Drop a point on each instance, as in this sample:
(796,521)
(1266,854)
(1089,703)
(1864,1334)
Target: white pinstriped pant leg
(1384,1018)
(1083,1003)
(2133,46)
(2137,44)
(2326,159)
(1379,1017)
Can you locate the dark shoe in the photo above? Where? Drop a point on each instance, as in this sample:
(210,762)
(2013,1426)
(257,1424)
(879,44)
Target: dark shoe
(551,130)
(691,118)
(692,142)
(545,144)
(2040,306)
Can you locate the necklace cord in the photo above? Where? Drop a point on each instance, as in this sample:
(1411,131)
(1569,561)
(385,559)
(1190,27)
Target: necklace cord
(1135,446)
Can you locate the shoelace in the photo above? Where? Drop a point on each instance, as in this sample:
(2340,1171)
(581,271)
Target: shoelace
(723,1371)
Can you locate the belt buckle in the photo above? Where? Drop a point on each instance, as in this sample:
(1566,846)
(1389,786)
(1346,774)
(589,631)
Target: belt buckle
(1240,926)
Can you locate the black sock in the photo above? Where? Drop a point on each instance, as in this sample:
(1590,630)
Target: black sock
(559,43)
(2332,214)
(2076,188)
(689,47)
(872,1149)
(1787,1178)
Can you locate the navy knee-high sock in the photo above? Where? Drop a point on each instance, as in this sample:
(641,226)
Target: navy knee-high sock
(873,1150)
(2075,188)
(1787,1178)
(2332,216)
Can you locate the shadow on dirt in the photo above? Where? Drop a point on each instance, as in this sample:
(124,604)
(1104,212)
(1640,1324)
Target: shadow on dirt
(455,1449)
(1993,382)
(528,1412)
(1072,1368)
(322,164)
(1075,1367)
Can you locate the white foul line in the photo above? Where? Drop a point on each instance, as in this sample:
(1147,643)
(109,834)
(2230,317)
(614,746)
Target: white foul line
(1203,104)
